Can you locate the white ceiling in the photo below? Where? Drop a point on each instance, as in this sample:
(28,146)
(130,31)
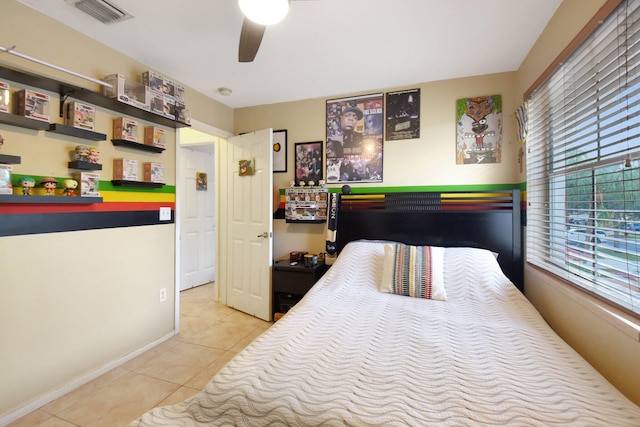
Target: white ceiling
(323,48)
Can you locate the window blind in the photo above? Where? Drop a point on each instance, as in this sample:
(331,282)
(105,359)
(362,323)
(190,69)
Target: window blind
(583,164)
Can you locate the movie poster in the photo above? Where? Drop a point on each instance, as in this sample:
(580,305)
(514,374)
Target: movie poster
(354,139)
(479,130)
(403,115)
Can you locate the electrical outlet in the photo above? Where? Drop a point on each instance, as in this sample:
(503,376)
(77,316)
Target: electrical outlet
(165,214)
(163,294)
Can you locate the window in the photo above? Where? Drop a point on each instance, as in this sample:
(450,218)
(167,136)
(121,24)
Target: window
(583,164)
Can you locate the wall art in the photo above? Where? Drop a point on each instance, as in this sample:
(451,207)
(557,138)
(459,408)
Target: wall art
(279,151)
(479,130)
(308,162)
(403,115)
(354,139)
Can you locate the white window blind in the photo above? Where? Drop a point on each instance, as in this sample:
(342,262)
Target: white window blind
(583,164)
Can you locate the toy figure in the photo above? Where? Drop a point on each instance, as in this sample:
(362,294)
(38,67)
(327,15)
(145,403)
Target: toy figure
(1,141)
(94,155)
(27,183)
(69,186)
(49,184)
(82,153)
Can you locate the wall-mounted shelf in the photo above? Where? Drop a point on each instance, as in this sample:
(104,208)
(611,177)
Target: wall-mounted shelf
(137,145)
(67,200)
(141,184)
(86,166)
(23,122)
(306,221)
(78,133)
(82,94)
(10,160)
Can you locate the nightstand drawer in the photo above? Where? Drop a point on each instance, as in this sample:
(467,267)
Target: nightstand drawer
(292,282)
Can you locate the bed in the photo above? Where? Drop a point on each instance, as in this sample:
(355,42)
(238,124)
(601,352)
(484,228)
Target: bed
(475,354)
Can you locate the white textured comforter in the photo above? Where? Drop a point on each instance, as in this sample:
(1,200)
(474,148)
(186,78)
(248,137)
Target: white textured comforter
(350,355)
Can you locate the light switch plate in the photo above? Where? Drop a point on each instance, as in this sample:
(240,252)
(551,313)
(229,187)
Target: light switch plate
(165,214)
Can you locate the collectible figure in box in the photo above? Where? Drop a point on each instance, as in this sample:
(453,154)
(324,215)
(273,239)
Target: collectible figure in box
(124,128)
(117,85)
(182,114)
(32,104)
(5,179)
(153,172)
(157,103)
(89,183)
(180,94)
(27,183)
(49,184)
(154,136)
(4,97)
(169,88)
(169,107)
(138,96)
(125,169)
(81,116)
(154,80)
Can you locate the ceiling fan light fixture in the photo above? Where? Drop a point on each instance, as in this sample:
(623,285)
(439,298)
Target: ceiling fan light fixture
(265,12)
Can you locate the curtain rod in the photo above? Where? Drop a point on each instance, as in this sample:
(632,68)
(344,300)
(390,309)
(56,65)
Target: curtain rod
(64,70)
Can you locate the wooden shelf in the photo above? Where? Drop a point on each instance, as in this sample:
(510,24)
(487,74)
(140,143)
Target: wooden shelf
(137,145)
(10,160)
(141,184)
(23,122)
(67,200)
(82,94)
(78,133)
(87,166)
(306,221)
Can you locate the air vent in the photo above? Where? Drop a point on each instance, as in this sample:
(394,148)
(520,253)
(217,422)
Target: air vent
(103,10)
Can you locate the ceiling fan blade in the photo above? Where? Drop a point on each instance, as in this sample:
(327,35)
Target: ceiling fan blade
(250,39)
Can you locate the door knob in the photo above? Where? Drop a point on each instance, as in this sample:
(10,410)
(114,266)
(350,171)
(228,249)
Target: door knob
(265,234)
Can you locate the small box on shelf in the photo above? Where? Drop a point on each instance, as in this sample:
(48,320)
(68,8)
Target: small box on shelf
(81,115)
(5,179)
(153,172)
(88,183)
(32,104)
(5,96)
(155,136)
(125,169)
(124,128)
(154,80)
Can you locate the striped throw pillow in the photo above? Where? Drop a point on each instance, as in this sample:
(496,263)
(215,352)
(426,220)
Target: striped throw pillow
(415,271)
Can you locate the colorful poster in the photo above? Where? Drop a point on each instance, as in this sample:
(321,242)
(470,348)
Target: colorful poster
(479,130)
(403,115)
(354,139)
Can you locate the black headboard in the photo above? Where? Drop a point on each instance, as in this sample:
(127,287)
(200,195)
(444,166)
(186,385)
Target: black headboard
(489,220)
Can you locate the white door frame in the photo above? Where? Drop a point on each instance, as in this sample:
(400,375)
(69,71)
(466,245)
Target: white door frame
(203,127)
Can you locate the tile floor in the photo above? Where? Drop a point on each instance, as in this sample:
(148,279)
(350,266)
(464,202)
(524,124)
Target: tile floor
(210,335)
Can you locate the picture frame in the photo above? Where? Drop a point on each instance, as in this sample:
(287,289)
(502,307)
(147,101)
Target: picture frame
(308,162)
(354,131)
(279,151)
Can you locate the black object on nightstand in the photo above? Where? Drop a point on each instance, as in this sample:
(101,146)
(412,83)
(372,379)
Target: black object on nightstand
(292,282)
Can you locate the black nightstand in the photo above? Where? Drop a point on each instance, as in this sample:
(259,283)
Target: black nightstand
(291,282)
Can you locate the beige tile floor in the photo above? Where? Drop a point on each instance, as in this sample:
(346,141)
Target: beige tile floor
(210,335)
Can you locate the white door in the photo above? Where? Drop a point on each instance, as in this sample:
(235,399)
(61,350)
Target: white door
(250,224)
(197,216)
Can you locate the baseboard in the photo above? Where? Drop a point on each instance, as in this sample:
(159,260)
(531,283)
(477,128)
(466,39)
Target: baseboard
(78,382)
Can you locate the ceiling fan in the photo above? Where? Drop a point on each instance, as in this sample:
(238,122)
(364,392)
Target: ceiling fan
(258,14)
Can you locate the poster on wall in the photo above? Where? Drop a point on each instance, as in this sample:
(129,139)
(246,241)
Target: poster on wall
(308,163)
(479,130)
(354,139)
(403,115)
(279,150)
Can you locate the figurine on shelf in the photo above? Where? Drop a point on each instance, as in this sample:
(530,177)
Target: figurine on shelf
(82,153)
(1,141)
(49,184)
(70,186)
(94,155)
(27,183)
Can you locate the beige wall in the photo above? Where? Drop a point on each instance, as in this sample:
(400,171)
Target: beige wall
(74,304)
(598,332)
